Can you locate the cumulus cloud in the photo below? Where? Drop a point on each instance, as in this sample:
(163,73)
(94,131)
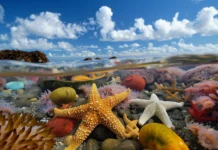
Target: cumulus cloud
(50,54)
(83,54)
(205,24)
(134,45)
(2,14)
(3,37)
(66,46)
(123,46)
(109,47)
(88,46)
(47,25)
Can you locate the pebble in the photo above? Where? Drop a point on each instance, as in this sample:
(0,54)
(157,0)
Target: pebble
(128,145)
(92,144)
(110,144)
(6,93)
(20,92)
(34,99)
(101,133)
(14,85)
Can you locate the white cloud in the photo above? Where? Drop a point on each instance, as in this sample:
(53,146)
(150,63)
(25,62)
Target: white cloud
(26,44)
(2,14)
(83,54)
(88,47)
(134,45)
(50,54)
(66,46)
(47,25)
(3,37)
(109,47)
(205,24)
(103,17)
(124,46)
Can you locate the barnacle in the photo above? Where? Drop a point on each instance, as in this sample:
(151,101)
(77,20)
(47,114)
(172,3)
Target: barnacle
(21,131)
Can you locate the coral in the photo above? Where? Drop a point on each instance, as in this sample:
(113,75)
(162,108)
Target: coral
(85,88)
(134,82)
(173,93)
(2,82)
(34,56)
(200,73)
(61,126)
(156,136)
(203,88)
(7,107)
(132,131)
(169,74)
(22,131)
(208,137)
(46,104)
(63,95)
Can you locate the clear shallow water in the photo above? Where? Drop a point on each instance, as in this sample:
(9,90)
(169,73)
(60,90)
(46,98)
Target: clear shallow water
(41,79)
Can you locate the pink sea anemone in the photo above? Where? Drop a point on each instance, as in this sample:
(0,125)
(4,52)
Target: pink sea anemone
(208,137)
(2,82)
(46,104)
(204,102)
(7,107)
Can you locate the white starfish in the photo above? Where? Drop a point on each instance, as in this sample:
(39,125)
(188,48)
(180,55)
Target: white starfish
(156,107)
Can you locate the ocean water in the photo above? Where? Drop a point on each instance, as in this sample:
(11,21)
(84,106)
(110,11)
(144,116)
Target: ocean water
(191,80)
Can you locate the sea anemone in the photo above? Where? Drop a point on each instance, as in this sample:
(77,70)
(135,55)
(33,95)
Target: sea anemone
(7,107)
(208,137)
(46,104)
(204,102)
(22,131)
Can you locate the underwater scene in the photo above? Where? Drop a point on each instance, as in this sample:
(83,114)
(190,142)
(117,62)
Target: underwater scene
(109,75)
(113,104)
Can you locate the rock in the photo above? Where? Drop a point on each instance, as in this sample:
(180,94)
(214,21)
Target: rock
(110,144)
(101,133)
(14,85)
(176,115)
(92,144)
(19,92)
(121,112)
(22,102)
(34,56)
(6,93)
(33,99)
(35,91)
(129,145)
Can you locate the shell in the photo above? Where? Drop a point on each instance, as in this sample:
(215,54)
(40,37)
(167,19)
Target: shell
(155,136)
(63,95)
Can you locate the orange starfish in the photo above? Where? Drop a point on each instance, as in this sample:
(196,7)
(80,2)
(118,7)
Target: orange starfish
(96,111)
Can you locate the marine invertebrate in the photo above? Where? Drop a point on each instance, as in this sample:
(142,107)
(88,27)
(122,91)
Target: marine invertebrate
(156,107)
(7,107)
(155,136)
(173,93)
(2,82)
(81,78)
(96,111)
(135,82)
(63,95)
(203,88)
(208,137)
(131,127)
(203,102)
(61,126)
(46,104)
(22,131)
(200,73)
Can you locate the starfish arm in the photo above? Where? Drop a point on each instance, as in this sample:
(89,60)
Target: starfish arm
(87,125)
(169,105)
(109,120)
(141,102)
(112,101)
(147,114)
(163,116)
(76,112)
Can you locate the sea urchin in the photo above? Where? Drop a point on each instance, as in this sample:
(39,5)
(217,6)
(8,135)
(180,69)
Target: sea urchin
(22,131)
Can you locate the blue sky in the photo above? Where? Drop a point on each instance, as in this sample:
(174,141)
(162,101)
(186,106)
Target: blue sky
(85,28)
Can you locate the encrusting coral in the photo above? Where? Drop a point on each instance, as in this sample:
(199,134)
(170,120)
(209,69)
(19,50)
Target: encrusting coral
(174,92)
(22,131)
(96,111)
